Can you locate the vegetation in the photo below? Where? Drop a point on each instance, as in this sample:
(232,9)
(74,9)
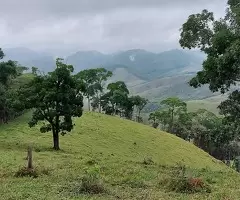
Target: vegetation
(55,98)
(205,129)
(103,147)
(221,68)
(111,158)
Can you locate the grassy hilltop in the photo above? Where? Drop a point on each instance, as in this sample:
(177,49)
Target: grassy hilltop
(118,147)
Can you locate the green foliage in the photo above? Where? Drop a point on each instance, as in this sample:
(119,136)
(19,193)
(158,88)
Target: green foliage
(174,107)
(91,182)
(140,103)
(97,136)
(34,70)
(1,54)
(208,131)
(10,105)
(219,39)
(55,98)
(94,80)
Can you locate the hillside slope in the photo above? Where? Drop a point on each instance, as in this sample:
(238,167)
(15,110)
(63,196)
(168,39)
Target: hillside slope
(118,146)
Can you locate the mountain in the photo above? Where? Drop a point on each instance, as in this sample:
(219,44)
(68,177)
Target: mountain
(152,75)
(30,58)
(144,64)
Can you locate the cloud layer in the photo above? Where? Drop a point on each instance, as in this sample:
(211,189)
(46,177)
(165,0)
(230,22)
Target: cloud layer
(105,25)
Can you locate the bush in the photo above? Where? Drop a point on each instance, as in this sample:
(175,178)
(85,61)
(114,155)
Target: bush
(90,183)
(148,161)
(26,172)
(35,172)
(180,182)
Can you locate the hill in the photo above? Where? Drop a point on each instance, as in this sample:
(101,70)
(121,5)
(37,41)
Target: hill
(155,76)
(119,148)
(210,103)
(144,64)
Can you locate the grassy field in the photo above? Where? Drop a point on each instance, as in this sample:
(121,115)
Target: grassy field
(117,148)
(209,104)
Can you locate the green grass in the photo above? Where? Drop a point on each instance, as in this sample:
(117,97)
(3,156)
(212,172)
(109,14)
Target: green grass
(209,104)
(119,148)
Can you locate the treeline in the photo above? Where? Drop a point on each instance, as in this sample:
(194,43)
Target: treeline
(209,132)
(10,106)
(58,96)
(112,98)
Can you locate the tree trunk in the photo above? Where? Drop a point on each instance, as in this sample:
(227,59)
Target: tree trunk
(89,104)
(172,115)
(56,141)
(139,114)
(99,104)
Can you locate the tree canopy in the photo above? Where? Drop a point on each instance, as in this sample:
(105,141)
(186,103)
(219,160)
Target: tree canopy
(220,41)
(56,98)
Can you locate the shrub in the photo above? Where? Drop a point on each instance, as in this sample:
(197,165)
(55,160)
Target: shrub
(90,183)
(22,172)
(34,172)
(148,161)
(180,182)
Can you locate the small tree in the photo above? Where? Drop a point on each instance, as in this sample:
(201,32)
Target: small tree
(101,77)
(55,98)
(34,70)
(174,106)
(115,99)
(154,119)
(140,103)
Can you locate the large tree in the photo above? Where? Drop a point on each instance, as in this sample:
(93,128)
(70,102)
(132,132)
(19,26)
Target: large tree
(56,98)
(220,41)
(94,80)
(9,104)
(115,99)
(102,76)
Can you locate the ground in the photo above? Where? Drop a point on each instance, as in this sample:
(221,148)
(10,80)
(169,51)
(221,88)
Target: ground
(117,148)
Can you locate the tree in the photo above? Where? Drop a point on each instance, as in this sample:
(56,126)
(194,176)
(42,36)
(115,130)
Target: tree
(1,54)
(56,98)
(220,41)
(140,103)
(89,77)
(154,119)
(34,70)
(115,99)
(174,106)
(101,77)
(8,71)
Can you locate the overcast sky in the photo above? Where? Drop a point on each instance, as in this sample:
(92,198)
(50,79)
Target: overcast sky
(64,26)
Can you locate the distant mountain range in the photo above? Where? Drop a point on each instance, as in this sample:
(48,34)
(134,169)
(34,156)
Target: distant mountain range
(153,75)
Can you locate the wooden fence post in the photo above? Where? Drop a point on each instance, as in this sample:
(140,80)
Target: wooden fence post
(29,156)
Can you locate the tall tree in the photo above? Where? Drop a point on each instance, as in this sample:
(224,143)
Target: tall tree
(89,77)
(220,41)
(1,54)
(102,76)
(8,71)
(56,98)
(174,106)
(140,103)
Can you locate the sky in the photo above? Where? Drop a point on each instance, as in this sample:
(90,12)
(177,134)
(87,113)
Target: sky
(64,26)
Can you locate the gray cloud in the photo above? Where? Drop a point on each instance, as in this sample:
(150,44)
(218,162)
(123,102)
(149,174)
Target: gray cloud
(105,25)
